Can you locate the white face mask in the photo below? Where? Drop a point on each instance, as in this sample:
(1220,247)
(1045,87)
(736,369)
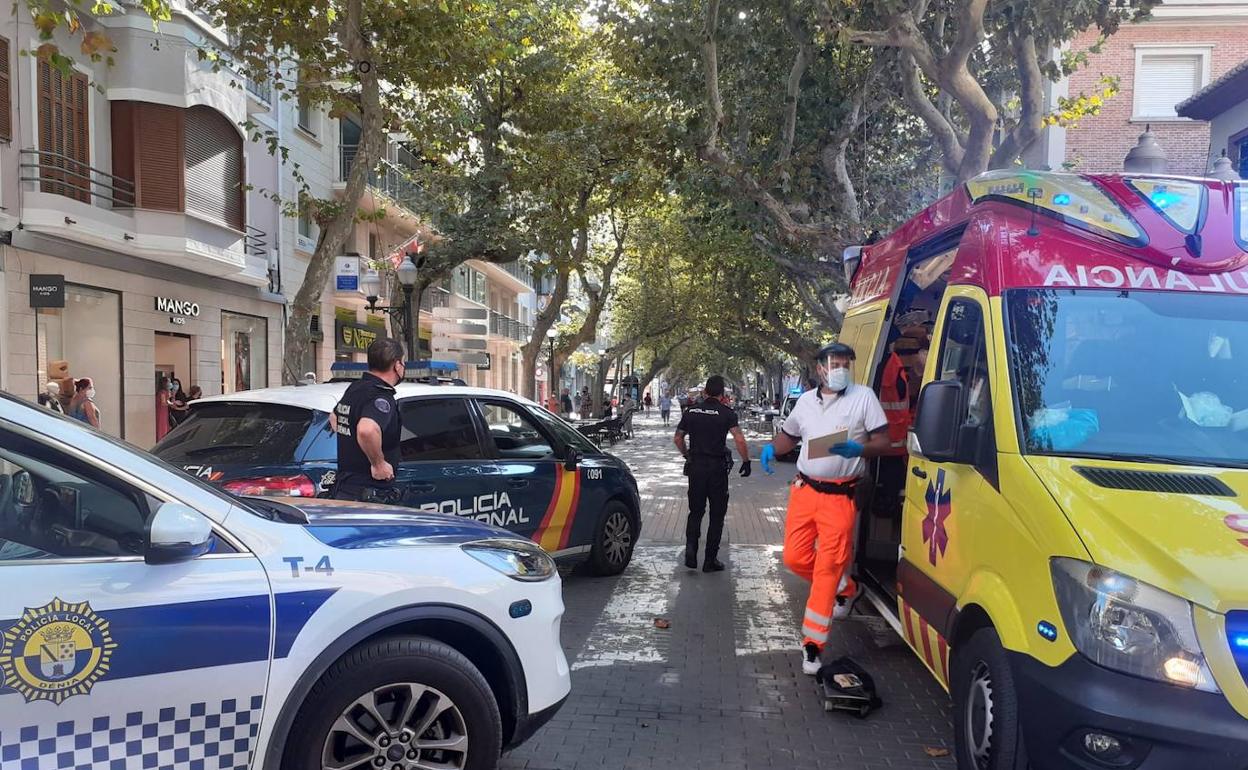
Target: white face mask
(90,392)
(837,380)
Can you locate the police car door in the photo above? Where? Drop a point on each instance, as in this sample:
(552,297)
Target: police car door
(530,497)
(444,468)
(108,661)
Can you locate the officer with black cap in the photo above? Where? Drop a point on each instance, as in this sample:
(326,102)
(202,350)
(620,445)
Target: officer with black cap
(708,423)
(369,429)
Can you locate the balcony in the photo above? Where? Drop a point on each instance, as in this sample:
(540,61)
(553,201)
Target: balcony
(261,93)
(520,271)
(62,175)
(433,298)
(510,328)
(391,178)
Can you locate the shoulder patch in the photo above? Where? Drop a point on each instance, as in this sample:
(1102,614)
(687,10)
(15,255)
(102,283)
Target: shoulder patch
(382,405)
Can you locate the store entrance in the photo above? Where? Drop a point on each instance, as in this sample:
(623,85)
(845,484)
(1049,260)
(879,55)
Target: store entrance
(173,365)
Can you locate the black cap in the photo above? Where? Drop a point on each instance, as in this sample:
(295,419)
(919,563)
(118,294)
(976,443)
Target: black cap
(838,349)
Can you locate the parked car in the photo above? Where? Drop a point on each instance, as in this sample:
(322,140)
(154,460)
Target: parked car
(471,452)
(152,620)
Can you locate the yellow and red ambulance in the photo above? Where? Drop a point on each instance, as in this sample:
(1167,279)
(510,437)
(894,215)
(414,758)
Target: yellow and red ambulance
(1066,545)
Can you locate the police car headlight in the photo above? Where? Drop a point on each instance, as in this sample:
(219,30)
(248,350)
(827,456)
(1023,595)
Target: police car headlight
(517,559)
(1123,624)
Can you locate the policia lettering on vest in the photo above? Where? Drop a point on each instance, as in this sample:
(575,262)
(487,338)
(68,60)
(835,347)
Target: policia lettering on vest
(707,423)
(369,429)
(819,524)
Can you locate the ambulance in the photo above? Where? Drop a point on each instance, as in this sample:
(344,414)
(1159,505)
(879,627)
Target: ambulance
(1065,543)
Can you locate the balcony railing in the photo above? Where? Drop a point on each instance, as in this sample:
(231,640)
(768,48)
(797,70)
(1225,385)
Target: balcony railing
(503,326)
(394,180)
(520,271)
(262,91)
(62,175)
(434,298)
(256,242)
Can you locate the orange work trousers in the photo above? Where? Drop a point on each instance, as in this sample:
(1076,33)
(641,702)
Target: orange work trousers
(818,534)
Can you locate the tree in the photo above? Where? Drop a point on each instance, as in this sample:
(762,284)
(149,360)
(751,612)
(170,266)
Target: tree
(980,55)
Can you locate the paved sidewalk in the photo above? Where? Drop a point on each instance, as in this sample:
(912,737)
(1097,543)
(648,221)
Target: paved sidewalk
(722,688)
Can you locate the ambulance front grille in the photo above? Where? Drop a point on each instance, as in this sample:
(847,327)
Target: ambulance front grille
(1155,481)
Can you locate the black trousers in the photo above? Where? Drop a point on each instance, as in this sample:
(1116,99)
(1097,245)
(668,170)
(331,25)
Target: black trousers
(708,483)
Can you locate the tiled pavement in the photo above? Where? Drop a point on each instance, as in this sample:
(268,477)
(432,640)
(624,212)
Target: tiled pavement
(722,688)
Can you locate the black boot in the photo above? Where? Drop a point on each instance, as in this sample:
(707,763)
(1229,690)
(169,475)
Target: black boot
(691,555)
(712,564)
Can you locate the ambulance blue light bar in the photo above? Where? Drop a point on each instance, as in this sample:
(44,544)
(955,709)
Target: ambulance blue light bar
(1240,642)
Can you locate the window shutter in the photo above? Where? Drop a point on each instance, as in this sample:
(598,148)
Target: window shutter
(64,140)
(6,115)
(214,167)
(158,157)
(1163,81)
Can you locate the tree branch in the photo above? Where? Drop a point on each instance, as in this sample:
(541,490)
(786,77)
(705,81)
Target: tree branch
(1031,95)
(793,89)
(937,122)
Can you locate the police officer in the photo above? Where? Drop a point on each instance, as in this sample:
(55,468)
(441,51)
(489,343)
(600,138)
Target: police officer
(369,430)
(708,423)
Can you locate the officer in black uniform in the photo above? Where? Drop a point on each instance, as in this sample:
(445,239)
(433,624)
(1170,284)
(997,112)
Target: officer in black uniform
(707,463)
(369,429)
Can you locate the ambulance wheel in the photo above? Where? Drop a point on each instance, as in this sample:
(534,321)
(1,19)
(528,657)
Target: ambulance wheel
(985,706)
(614,540)
(402,704)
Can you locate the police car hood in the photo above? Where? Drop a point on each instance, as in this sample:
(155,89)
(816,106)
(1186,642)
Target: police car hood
(346,524)
(1192,543)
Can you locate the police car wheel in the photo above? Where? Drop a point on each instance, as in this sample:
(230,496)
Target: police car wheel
(985,711)
(614,540)
(400,704)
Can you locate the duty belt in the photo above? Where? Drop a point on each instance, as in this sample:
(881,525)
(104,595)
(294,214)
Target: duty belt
(829,487)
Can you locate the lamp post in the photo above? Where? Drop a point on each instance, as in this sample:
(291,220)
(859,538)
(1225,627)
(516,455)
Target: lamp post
(407,274)
(551,380)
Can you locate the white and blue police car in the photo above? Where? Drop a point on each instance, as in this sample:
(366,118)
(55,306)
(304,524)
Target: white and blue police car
(150,620)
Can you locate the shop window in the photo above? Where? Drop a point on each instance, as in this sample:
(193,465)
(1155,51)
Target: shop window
(83,339)
(64,140)
(214,167)
(244,352)
(6,107)
(1165,76)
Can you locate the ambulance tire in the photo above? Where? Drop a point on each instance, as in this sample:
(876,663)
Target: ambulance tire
(615,537)
(375,666)
(987,734)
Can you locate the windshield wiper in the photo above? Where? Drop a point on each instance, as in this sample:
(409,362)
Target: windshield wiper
(203,450)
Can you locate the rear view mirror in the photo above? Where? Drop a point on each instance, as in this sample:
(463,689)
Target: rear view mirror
(177,533)
(936,421)
(572,459)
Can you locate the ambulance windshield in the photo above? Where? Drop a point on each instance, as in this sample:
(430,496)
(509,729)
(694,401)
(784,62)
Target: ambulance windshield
(1142,375)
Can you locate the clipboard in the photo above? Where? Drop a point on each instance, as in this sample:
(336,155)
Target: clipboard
(819,446)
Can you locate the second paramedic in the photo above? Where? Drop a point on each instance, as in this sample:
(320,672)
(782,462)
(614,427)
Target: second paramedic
(819,524)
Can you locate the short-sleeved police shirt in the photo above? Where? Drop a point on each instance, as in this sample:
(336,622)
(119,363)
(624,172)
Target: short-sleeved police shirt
(707,424)
(373,398)
(857,411)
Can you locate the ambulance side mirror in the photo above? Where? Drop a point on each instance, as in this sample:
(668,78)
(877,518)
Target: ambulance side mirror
(936,421)
(177,533)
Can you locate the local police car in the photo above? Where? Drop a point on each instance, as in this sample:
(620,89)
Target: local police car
(150,620)
(471,452)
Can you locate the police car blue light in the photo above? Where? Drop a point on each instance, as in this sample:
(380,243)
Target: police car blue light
(153,620)
(473,453)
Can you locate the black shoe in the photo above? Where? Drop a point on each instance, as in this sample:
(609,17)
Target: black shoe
(691,557)
(713,565)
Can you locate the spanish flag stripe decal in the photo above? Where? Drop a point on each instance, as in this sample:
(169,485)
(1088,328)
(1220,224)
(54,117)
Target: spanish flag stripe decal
(557,518)
(910,637)
(571,516)
(944,657)
(927,644)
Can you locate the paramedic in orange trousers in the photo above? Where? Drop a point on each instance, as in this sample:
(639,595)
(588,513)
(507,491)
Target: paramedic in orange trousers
(819,524)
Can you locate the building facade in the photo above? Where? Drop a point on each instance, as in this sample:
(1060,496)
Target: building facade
(1224,103)
(1158,64)
(130,250)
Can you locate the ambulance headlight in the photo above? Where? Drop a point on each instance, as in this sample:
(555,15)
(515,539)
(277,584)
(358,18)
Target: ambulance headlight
(517,559)
(1128,626)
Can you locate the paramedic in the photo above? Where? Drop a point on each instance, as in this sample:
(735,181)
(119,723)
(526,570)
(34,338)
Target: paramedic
(368,427)
(819,525)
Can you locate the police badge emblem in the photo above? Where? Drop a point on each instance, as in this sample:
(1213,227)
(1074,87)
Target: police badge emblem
(56,651)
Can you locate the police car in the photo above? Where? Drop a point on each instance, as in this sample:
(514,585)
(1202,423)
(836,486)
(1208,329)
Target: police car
(151,620)
(472,452)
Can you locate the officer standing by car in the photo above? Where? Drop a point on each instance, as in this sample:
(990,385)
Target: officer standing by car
(708,424)
(369,430)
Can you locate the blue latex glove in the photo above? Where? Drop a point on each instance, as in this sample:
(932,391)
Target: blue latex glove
(847,449)
(766,458)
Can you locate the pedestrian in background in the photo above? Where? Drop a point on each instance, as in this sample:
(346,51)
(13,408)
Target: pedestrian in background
(819,523)
(164,393)
(195,394)
(82,405)
(565,403)
(665,407)
(707,463)
(647,402)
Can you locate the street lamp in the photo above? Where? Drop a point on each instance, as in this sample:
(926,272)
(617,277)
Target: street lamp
(550,335)
(407,273)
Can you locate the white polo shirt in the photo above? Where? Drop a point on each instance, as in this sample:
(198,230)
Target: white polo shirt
(857,411)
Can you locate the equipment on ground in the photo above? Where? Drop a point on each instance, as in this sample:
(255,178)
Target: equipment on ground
(845,686)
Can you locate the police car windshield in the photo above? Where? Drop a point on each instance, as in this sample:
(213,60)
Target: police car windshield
(1140,375)
(238,433)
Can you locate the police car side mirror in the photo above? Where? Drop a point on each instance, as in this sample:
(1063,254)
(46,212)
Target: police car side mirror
(572,459)
(936,424)
(177,533)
